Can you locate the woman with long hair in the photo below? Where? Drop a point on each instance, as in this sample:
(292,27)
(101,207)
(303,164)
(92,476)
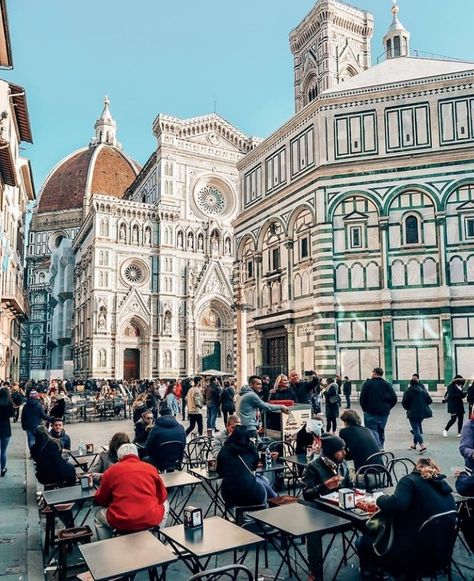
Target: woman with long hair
(282,389)
(7,411)
(51,468)
(108,458)
(171,400)
(333,401)
(417,497)
(236,465)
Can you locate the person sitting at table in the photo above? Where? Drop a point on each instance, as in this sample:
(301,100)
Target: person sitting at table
(59,433)
(219,439)
(139,406)
(51,467)
(417,497)
(236,465)
(360,441)
(132,494)
(282,390)
(143,427)
(465,483)
(328,472)
(167,429)
(108,458)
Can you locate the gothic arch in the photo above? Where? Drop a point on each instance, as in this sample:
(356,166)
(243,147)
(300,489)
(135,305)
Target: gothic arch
(296,214)
(266,226)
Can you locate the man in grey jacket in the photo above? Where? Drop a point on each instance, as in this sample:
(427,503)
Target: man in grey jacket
(250,404)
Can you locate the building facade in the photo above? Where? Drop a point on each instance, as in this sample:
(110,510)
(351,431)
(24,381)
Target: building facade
(356,230)
(134,280)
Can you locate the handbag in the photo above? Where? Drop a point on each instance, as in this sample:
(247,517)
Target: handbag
(381,526)
(334,399)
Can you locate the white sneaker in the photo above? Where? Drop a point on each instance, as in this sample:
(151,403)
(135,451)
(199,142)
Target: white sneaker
(459,435)
(445,434)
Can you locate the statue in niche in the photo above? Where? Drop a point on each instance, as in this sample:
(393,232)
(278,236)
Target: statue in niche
(147,236)
(102,319)
(122,233)
(227,246)
(167,323)
(180,240)
(135,235)
(229,361)
(190,241)
(200,242)
(215,245)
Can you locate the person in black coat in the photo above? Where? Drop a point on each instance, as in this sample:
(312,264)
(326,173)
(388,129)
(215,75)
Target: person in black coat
(333,401)
(143,427)
(282,391)
(166,429)
(454,397)
(51,468)
(360,441)
(265,392)
(227,401)
(303,390)
(416,400)
(377,398)
(470,398)
(236,463)
(32,415)
(347,391)
(59,433)
(7,411)
(417,497)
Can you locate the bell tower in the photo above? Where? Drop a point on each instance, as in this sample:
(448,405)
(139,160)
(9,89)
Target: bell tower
(331,44)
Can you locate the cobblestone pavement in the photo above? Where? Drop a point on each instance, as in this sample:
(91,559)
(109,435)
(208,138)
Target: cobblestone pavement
(20,547)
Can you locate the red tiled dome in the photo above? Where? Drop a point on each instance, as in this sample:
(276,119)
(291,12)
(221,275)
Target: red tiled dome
(98,169)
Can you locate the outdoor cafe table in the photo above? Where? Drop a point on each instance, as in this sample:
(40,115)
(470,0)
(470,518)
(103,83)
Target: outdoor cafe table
(68,495)
(212,482)
(127,555)
(197,546)
(176,482)
(76,457)
(298,520)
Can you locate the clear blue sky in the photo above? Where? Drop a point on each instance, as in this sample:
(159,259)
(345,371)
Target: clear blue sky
(153,56)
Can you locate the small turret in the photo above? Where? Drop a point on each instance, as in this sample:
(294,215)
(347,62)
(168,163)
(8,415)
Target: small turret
(106,127)
(397,39)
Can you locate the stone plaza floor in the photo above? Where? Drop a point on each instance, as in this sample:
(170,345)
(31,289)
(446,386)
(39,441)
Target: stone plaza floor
(20,540)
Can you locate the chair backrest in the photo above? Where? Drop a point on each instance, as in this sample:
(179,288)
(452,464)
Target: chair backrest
(373,477)
(383,458)
(169,456)
(227,572)
(399,467)
(436,538)
(242,511)
(198,451)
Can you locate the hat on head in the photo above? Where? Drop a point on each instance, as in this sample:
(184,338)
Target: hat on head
(331,444)
(166,411)
(34,393)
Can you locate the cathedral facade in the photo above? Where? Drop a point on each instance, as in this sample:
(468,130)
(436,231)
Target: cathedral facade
(356,230)
(133,278)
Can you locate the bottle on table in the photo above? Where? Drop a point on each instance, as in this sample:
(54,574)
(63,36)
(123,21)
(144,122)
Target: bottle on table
(268,457)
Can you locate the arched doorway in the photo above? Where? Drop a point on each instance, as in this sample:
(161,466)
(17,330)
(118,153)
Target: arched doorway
(132,336)
(215,338)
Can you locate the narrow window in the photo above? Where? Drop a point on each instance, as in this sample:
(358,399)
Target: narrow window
(470,227)
(304,248)
(276,258)
(396,46)
(356,237)
(411,230)
(250,269)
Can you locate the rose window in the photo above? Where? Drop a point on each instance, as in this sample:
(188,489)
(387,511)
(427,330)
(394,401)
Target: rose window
(211,201)
(133,273)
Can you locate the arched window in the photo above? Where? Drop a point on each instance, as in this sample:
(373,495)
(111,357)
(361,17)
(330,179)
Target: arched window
(412,235)
(396,46)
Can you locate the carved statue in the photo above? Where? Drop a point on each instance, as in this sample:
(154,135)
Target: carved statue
(180,240)
(135,235)
(122,233)
(102,319)
(200,242)
(227,246)
(167,323)
(147,236)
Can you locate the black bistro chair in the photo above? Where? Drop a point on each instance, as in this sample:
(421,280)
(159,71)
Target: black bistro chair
(373,477)
(230,572)
(383,458)
(399,467)
(170,456)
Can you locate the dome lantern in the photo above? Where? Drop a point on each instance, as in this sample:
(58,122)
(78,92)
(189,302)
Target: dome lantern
(397,40)
(106,127)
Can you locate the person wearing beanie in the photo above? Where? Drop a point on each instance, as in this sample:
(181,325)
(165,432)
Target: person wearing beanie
(326,474)
(166,429)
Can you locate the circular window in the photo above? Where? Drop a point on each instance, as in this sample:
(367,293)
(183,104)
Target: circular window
(133,273)
(211,201)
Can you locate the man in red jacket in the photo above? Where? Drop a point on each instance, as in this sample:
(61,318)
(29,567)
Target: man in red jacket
(134,496)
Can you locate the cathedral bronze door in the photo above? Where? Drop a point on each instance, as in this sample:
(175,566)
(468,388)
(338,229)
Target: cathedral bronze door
(211,355)
(131,364)
(275,356)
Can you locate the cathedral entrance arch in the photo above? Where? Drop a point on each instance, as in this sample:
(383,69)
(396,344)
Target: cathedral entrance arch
(132,350)
(215,337)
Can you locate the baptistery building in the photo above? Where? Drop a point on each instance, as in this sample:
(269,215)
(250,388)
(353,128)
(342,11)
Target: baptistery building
(356,230)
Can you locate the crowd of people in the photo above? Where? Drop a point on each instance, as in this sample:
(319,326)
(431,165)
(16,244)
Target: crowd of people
(130,490)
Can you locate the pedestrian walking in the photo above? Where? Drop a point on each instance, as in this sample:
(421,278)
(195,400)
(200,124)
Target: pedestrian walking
(416,400)
(377,398)
(347,391)
(213,392)
(195,402)
(227,402)
(7,411)
(333,401)
(454,397)
(32,416)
